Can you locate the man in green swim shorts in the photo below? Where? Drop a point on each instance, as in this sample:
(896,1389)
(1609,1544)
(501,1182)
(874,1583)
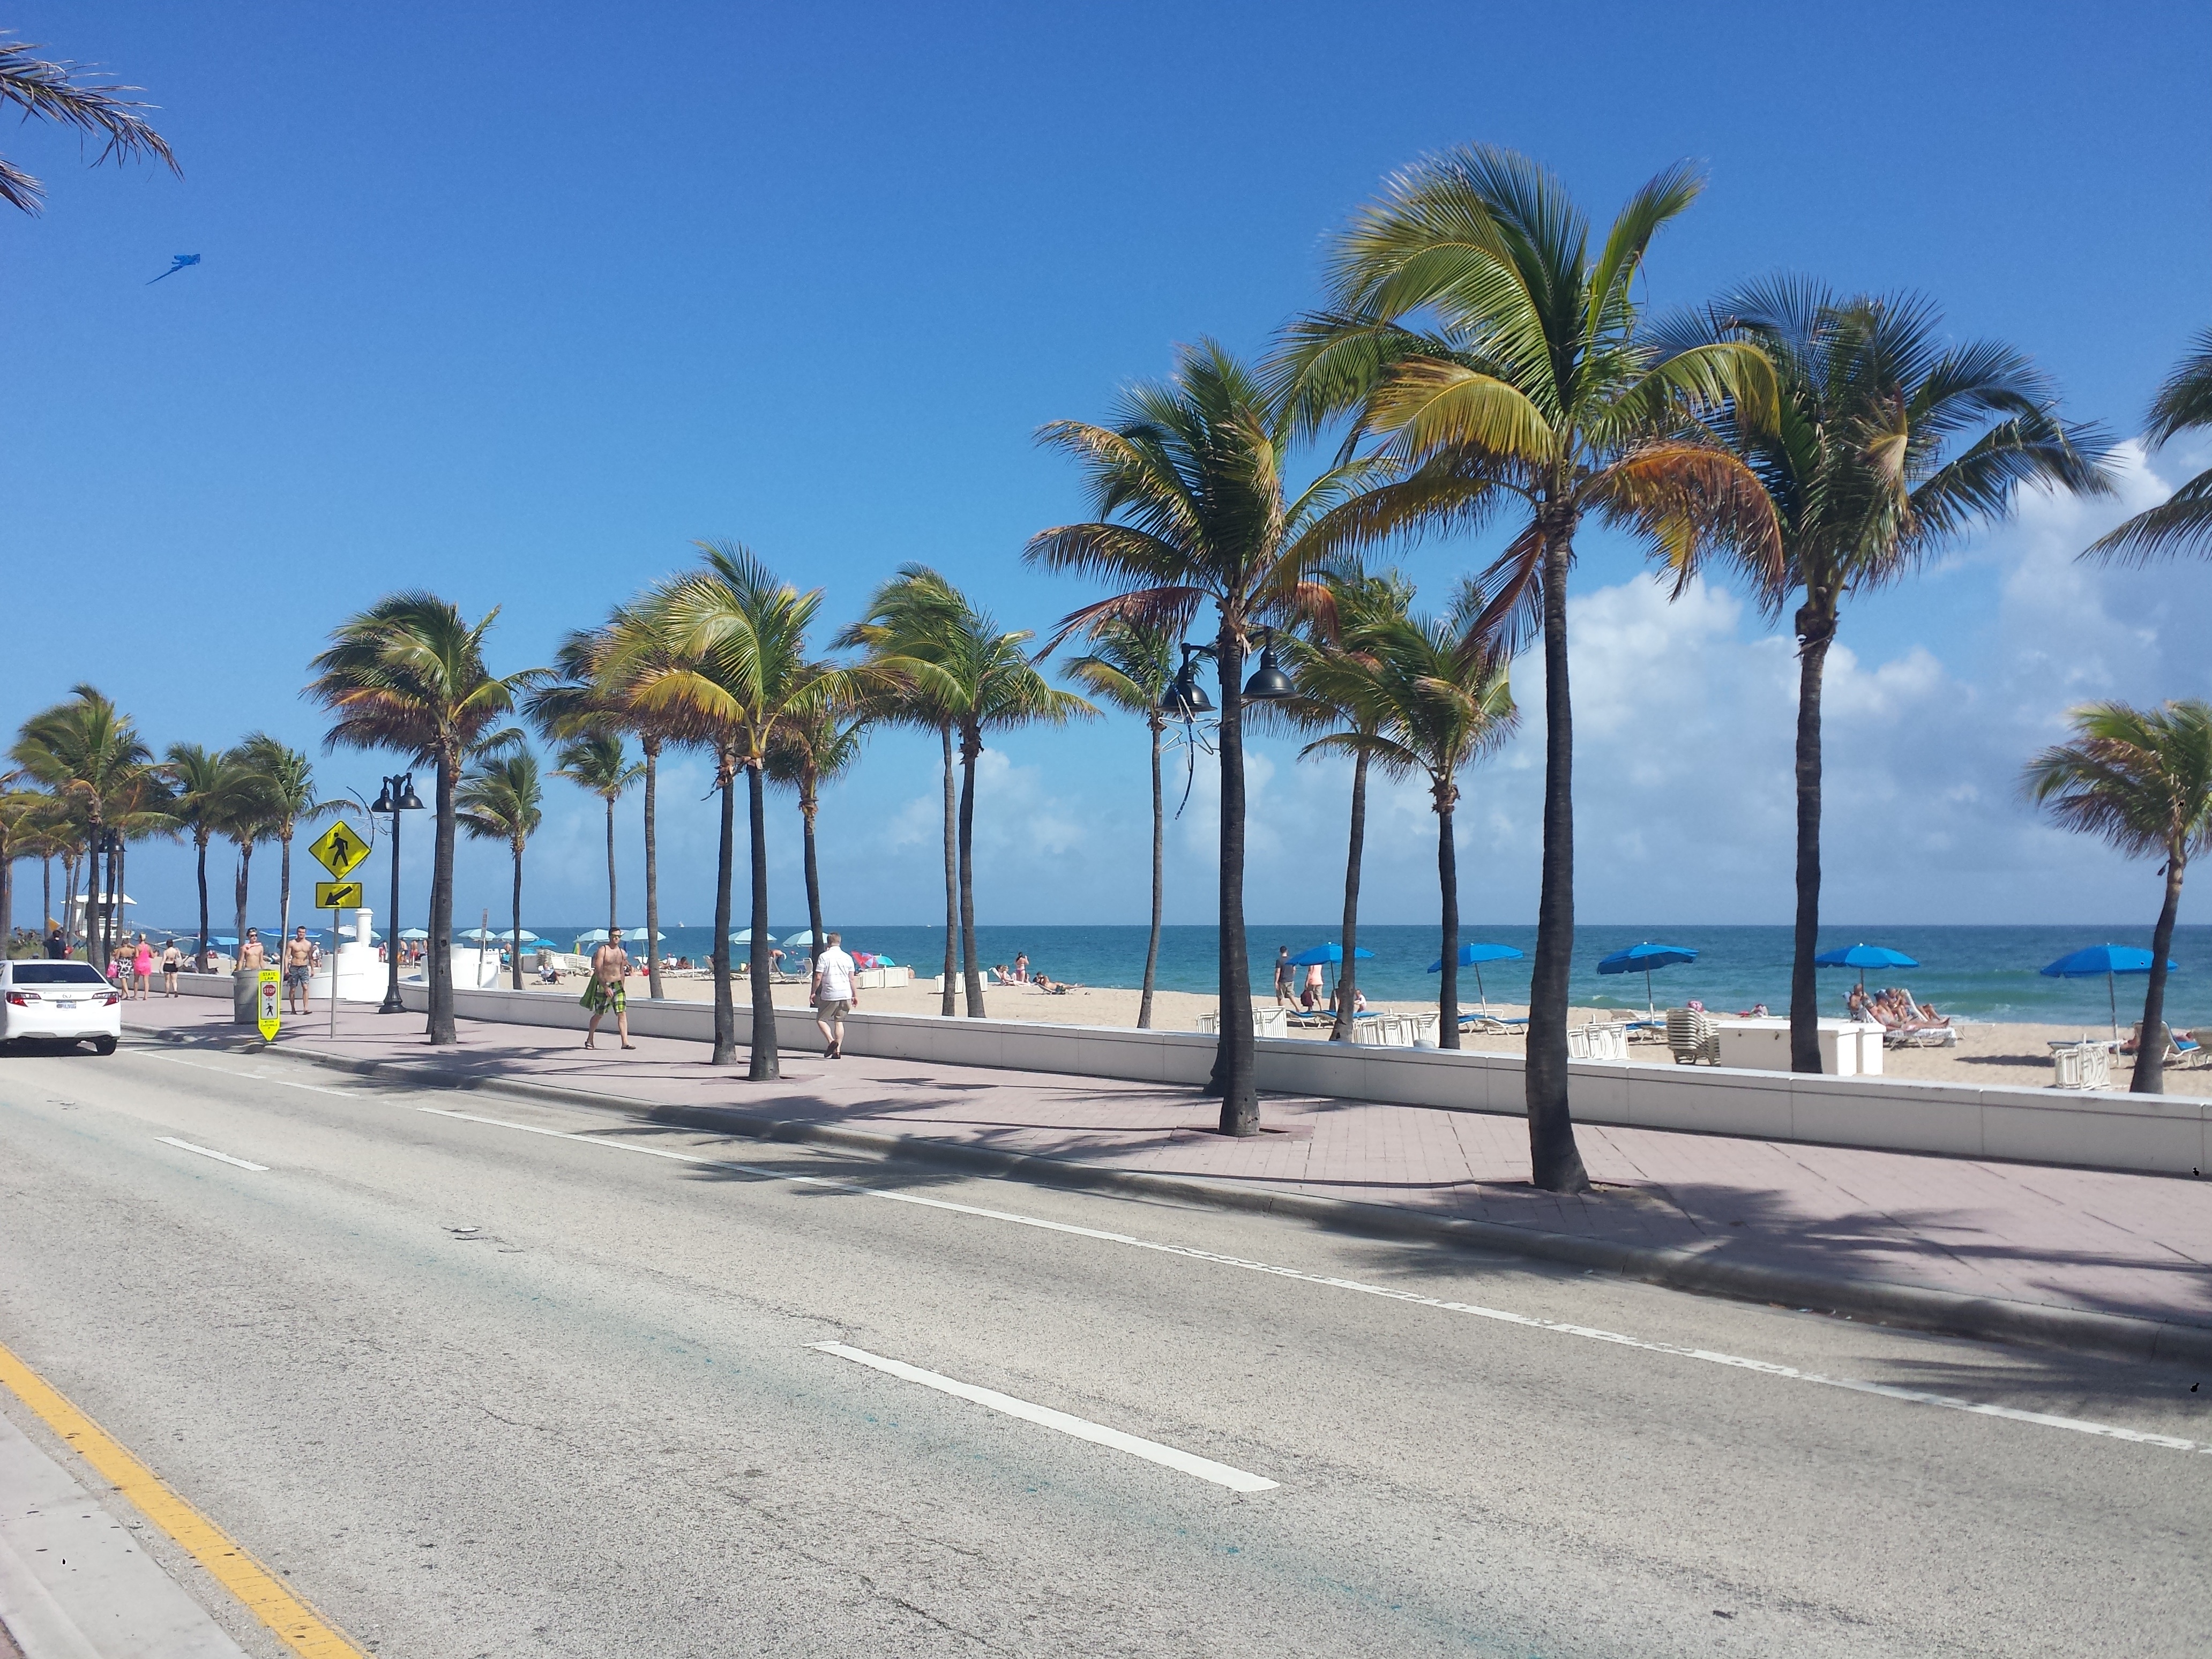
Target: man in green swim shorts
(605,992)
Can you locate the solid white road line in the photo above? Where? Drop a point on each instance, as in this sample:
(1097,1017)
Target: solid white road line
(1765,1368)
(210,1151)
(1082,1428)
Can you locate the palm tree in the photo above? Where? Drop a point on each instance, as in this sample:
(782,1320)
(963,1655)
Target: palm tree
(88,753)
(409,673)
(818,747)
(288,779)
(2182,522)
(2142,778)
(1187,483)
(53,92)
(22,830)
(906,622)
(1131,665)
(246,815)
(1340,688)
(1886,444)
(500,799)
(199,778)
(1496,358)
(597,762)
(736,663)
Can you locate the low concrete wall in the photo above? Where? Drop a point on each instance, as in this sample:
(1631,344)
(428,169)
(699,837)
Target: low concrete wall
(2161,1134)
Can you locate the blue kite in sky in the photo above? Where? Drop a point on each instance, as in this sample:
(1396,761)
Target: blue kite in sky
(177,263)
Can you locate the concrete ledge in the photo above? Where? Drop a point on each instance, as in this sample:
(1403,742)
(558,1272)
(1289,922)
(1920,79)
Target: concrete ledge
(2118,1336)
(2141,1134)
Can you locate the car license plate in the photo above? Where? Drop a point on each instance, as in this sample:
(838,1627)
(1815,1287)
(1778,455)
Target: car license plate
(64,1004)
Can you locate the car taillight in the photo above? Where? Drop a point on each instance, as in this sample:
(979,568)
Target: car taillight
(111,1000)
(22,999)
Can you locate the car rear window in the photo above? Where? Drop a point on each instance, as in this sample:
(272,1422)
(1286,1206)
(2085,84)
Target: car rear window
(56,973)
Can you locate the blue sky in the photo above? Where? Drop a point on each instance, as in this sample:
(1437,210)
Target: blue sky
(513,302)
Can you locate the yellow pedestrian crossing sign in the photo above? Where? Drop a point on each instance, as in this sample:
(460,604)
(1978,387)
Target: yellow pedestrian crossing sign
(337,896)
(338,850)
(268,996)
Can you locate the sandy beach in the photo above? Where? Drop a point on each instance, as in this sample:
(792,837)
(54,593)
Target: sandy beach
(1987,1051)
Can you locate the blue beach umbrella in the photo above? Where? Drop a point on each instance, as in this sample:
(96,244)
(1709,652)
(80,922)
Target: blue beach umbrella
(1641,959)
(1330,955)
(1473,956)
(2108,960)
(1864,957)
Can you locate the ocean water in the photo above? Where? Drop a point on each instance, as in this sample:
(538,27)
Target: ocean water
(1988,973)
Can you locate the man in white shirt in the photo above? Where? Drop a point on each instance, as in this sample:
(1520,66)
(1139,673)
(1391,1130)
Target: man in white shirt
(834,993)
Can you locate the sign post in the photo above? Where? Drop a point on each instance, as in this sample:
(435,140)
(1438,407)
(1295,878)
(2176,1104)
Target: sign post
(272,1002)
(339,849)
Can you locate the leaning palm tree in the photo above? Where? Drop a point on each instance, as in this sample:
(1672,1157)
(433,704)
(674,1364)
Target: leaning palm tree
(2182,522)
(1131,665)
(2141,778)
(1496,357)
(736,664)
(409,673)
(88,753)
(23,831)
(1188,484)
(287,782)
(1341,692)
(56,92)
(1886,446)
(500,799)
(598,764)
(818,747)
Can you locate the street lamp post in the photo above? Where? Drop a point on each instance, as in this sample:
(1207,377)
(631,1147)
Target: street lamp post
(396,796)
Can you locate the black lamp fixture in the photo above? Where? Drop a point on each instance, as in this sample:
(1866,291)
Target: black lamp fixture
(1268,683)
(396,796)
(1185,699)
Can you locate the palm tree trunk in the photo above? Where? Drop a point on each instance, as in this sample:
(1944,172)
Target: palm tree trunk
(726,1014)
(46,898)
(1159,881)
(1347,982)
(515,942)
(1448,885)
(116,868)
(2150,1042)
(114,916)
(1555,1163)
(1233,1064)
(69,902)
(441,908)
(241,888)
(807,810)
(613,920)
(200,843)
(765,1067)
(92,900)
(652,746)
(951,879)
(284,903)
(1816,627)
(971,745)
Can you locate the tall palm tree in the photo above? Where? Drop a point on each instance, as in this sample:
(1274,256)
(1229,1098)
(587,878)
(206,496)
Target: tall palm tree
(1496,358)
(2182,522)
(1340,688)
(2141,778)
(818,747)
(1886,444)
(199,778)
(288,779)
(247,817)
(737,665)
(22,829)
(598,763)
(55,92)
(906,621)
(88,753)
(409,673)
(1131,665)
(500,799)
(1188,485)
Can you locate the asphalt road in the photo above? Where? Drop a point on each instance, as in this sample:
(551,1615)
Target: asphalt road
(479,1390)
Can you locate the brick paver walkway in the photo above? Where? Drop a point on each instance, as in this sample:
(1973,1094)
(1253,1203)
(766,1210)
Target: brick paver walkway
(2077,1238)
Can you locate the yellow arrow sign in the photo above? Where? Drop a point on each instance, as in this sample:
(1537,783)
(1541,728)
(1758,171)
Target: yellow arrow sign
(338,850)
(337,896)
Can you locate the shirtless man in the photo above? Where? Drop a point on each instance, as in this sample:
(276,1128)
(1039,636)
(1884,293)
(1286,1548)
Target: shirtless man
(299,966)
(609,963)
(252,958)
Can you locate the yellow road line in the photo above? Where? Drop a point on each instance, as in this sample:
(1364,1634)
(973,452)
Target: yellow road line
(297,1625)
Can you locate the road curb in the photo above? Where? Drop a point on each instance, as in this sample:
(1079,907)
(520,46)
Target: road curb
(1949,1313)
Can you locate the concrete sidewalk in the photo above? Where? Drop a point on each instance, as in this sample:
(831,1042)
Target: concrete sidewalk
(2116,1263)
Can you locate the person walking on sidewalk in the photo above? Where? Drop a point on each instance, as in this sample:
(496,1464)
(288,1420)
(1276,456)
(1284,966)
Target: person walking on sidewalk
(173,964)
(607,992)
(835,994)
(299,969)
(141,968)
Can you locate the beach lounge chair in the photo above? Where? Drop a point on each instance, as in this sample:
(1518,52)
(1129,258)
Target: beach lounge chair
(1693,1037)
(2080,1066)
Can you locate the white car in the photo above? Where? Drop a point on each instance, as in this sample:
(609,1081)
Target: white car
(59,1001)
